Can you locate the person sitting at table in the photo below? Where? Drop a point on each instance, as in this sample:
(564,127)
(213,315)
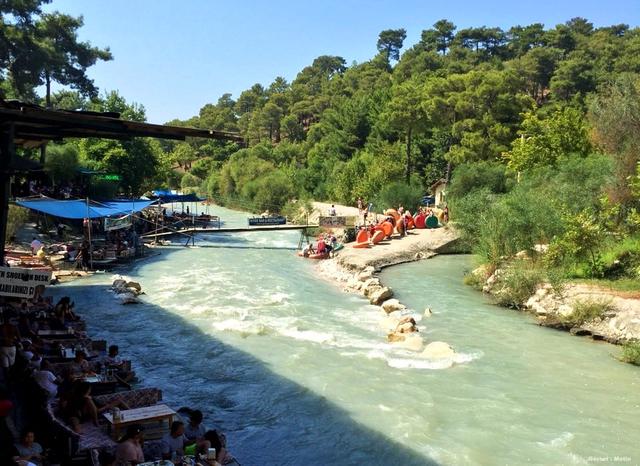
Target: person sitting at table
(194,431)
(47,379)
(27,328)
(79,407)
(113,361)
(129,450)
(219,442)
(174,441)
(64,310)
(28,449)
(80,366)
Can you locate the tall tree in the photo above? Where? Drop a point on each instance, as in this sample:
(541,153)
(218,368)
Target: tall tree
(390,42)
(407,114)
(62,58)
(615,115)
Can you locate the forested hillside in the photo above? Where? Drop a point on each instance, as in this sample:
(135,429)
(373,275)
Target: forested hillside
(458,96)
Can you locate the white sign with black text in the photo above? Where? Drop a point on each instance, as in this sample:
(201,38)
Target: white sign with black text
(22,283)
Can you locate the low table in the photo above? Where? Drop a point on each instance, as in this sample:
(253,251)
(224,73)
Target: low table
(149,414)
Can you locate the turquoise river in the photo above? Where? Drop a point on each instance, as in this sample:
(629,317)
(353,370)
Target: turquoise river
(297,372)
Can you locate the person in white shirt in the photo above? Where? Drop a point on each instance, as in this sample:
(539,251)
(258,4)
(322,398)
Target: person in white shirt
(173,442)
(46,379)
(36,244)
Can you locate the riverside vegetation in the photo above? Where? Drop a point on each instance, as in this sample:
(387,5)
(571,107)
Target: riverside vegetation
(536,128)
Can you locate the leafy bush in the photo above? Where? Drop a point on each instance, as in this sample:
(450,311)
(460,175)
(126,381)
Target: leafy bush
(581,240)
(273,191)
(475,279)
(622,258)
(16,218)
(61,162)
(585,311)
(298,211)
(395,194)
(517,284)
(631,352)
(512,223)
(470,177)
(556,277)
(190,183)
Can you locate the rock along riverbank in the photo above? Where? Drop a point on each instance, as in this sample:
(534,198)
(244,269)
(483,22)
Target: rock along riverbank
(356,270)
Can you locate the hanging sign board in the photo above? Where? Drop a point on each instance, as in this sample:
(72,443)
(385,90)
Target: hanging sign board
(256,221)
(117,223)
(21,283)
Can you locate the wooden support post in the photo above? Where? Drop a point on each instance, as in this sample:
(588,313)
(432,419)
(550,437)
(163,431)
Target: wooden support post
(7,159)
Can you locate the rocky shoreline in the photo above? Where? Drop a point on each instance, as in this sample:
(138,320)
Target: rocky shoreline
(614,317)
(357,271)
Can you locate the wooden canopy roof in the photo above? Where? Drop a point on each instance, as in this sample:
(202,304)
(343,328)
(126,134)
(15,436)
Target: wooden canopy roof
(34,126)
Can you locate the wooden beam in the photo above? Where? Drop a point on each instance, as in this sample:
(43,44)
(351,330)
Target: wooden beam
(7,155)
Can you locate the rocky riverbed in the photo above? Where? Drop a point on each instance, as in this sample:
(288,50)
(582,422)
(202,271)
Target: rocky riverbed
(357,271)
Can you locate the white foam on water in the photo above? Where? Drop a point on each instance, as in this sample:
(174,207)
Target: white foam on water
(560,441)
(307,335)
(384,408)
(242,327)
(278,298)
(400,359)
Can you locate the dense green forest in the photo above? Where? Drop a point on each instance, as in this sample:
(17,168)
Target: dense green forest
(537,129)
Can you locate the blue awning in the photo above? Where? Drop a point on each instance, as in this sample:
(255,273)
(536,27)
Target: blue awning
(77,208)
(166,197)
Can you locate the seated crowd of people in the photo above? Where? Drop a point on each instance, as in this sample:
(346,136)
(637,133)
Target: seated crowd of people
(58,369)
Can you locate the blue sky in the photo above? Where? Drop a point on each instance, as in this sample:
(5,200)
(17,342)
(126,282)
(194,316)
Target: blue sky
(175,56)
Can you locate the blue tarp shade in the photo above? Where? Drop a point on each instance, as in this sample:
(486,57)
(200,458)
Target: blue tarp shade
(166,197)
(77,209)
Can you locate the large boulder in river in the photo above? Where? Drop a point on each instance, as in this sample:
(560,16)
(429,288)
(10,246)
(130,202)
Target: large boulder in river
(410,341)
(428,312)
(119,285)
(365,275)
(438,350)
(368,290)
(371,283)
(134,285)
(380,295)
(391,305)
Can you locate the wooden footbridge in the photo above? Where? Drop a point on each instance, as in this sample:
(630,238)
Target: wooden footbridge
(191,232)
(204,230)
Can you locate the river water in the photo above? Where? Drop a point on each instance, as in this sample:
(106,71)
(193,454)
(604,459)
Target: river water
(297,372)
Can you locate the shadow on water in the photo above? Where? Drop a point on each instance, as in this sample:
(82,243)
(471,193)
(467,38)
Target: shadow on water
(268,419)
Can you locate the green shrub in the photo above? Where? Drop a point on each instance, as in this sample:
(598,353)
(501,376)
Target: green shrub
(298,211)
(61,162)
(631,352)
(581,241)
(585,311)
(556,277)
(470,177)
(190,183)
(621,258)
(16,218)
(395,194)
(518,283)
(475,280)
